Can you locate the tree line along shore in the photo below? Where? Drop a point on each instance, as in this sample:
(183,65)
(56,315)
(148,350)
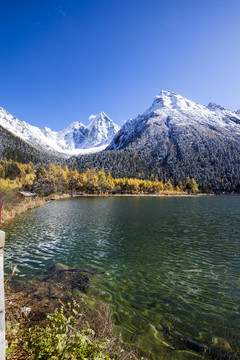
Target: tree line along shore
(52,179)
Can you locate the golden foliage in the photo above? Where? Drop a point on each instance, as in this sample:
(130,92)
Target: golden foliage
(58,179)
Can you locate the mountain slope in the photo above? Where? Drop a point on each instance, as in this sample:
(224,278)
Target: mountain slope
(75,139)
(118,163)
(177,138)
(170,112)
(14,148)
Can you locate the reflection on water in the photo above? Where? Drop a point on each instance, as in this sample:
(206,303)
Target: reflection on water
(169,262)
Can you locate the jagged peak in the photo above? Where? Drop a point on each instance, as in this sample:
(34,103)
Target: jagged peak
(163,95)
(45,128)
(213,106)
(73,126)
(101,115)
(101,120)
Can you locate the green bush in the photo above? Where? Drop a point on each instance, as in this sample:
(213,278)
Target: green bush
(62,338)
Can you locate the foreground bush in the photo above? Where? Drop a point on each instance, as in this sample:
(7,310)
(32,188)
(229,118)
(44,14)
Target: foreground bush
(62,338)
(53,329)
(65,336)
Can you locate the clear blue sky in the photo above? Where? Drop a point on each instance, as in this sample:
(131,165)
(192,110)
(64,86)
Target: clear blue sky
(63,60)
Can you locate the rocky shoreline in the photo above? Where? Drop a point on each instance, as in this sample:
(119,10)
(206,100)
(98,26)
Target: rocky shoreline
(29,304)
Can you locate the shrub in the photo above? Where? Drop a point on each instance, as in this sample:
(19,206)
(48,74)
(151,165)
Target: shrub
(62,338)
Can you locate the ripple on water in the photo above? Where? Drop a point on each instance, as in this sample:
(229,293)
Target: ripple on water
(170,262)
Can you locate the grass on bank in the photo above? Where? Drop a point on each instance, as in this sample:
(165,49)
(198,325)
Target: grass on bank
(13,206)
(65,336)
(73,331)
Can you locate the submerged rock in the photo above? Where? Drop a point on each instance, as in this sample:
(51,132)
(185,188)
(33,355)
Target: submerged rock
(61,285)
(58,267)
(215,352)
(222,344)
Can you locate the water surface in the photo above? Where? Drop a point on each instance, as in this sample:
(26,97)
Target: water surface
(169,262)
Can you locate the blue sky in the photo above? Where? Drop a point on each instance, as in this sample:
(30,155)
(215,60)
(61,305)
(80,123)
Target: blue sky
(63,60)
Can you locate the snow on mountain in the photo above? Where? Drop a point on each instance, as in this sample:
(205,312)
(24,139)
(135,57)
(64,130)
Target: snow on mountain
(101,128)
(177,138)
(186,112)
(172,110)
(74,140)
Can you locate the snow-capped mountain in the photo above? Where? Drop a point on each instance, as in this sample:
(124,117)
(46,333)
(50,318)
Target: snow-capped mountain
(170,112)
(173,139)
(75,139)
(177,137)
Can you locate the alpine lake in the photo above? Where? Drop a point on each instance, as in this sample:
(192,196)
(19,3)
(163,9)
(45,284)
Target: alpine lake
(171,265)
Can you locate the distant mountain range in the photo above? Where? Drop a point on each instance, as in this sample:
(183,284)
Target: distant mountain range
(75,139)
(173,139)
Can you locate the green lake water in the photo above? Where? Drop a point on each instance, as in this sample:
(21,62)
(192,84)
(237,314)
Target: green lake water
(169,262)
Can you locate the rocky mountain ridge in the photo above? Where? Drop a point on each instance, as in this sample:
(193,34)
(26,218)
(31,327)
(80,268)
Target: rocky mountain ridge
(177,138)
(75,139)
(170,112)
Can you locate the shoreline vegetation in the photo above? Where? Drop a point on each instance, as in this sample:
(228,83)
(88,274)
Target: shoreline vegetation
(54,318)
(12,210)
(56,182)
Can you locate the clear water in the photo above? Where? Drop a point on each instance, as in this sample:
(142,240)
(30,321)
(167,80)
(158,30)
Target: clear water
(168,261)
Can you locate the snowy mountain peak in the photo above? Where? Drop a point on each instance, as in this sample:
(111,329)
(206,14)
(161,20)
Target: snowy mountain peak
(102,123)
(75,139)
(73,126)
(172,111)
(163,99)
(46,130)
(183,110)
(170,100)
(101,128)
(101,116)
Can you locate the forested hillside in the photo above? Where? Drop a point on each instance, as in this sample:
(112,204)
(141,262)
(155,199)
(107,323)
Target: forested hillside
(214,168)
(119,163)
(177,137)
(57,179)
(12,147)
